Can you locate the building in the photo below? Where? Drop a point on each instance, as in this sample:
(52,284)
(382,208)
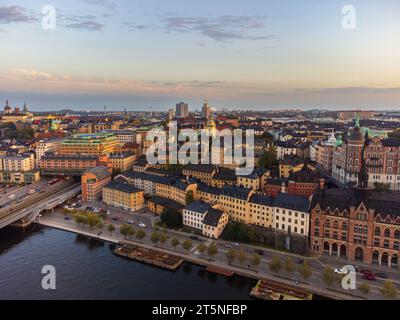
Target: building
(121,194)
(202,172)
(206,110)
(98,144)
(19,169)
(158,205)
(93,180)
(176,190)
(285,148)
(182,110)
(289,165)
(291,213)
(123,136)
(122,161)
(357,224)
(10,115)
(203,217)
(44,146)
(352,114)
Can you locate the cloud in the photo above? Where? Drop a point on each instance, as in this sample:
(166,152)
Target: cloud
(352,90)
(15,14)
(221,29)
(86,25)
(104,3)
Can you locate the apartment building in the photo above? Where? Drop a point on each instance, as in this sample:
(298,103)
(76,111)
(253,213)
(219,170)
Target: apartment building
(93,180)
(121,194)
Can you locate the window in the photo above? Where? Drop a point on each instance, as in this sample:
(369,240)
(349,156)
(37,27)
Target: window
(387,233)
(335,224)
(397,234)
(378,231)
(327,223)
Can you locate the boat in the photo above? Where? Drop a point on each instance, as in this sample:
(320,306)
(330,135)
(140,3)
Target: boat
(271,290)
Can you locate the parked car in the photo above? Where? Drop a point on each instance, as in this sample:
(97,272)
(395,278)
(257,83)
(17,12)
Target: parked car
(31,191)
(108,212)
(142,225)
(115,219)
(67,218)
(340,271)
(381,275)
(130,221)
(11,196)
(369,276)
(300,261)
(259,251)
(195,238)
(228,245)
(235,244)
(365,271)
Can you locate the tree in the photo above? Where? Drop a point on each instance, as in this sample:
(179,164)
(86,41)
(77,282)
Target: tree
(155,237)
(289,265)
(389,291)
(269,158)
(202,248)
(212,250)
(275,264)
(255,259)
(171,218)
(175,242)
(140,234)
(231,255)
(187,244)
(130,232)
(364,288)
(189,197)
(305,270)
(237,231)
(242,256)
(328,275)
(379,186)
(111,228)
(163,238)
(124,230)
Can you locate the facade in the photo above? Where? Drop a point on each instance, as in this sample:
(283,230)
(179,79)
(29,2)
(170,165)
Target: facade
(44,146)
(122,161)
(358,224)
(204,173)
(19,169)
(175,191)
(289,165)
(93,180)
(121,194)
(69,165)
(98,144)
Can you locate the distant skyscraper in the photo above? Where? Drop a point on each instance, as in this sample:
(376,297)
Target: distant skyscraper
(182,110)
(171,113)
(206,110)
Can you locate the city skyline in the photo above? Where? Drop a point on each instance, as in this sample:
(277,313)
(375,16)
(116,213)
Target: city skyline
(259,55)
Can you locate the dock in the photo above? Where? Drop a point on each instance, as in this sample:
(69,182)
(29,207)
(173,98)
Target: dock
(220,271)
(150,256)
(271,290)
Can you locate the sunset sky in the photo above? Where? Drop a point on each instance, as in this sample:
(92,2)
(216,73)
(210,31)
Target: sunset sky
(258,54)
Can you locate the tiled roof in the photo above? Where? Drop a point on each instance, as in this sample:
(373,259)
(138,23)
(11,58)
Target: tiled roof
(212,217)
(292,202)
(122,186)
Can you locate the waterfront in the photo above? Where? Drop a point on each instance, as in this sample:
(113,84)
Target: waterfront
(87,269)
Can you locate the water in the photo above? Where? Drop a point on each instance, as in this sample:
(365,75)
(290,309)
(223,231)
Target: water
(87,269)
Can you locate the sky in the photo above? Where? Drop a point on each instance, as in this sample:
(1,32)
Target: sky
(237,54)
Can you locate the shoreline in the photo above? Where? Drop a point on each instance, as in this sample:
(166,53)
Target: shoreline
(200,261)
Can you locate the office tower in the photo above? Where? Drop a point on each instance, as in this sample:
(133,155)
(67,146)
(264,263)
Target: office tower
(182,110)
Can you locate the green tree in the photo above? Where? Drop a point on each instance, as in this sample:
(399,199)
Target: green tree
(187,245)
(364,288)
(111,228)
(269,158)
(155,237)
(140,234)
(242,256)
(275,264)
(175,242)
(305,270)
(328,275)
(124,230)
(130,232)
(212,250)
(231,255)
(289,265)
(255,259)
(189,197)
(171,218)
(202,248)
(163,238)
(389,291)
(379,186)
(237,231)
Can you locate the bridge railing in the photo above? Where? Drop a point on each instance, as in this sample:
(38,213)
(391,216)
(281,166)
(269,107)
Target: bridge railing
(34,198)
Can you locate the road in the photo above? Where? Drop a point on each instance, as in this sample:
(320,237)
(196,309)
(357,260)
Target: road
(20,193)
(119,217)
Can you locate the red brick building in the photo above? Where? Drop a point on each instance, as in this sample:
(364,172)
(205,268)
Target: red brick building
(358,224)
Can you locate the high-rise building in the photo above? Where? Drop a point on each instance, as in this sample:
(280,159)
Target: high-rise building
(206,110)
(182,110)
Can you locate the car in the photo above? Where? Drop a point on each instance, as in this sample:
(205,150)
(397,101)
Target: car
(365,271)
(340,271)
(67,218)
(300,261)
(381,275)
(142,225)
(369,276)
(32,191)
(197,252)
(131,222)
(11,196)
(115,219)
(108,212)
(235,244)
(228,245)
(195,238)
(259,252)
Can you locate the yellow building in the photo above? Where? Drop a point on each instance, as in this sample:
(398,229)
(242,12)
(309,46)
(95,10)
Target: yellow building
(19,177)
(233,200)
(202,172)
(175,190)
(261,209)
(122,161)
(90,144)
(290,165)
(123,195)
(207,193)
(251,181)
(214,223)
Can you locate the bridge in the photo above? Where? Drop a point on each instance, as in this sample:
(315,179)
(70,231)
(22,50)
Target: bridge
(29,210)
